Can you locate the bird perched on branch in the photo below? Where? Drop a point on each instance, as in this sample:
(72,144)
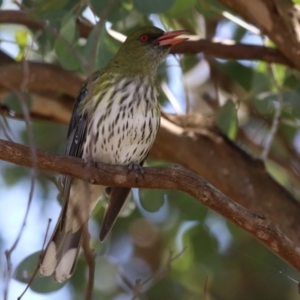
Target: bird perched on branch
(115,120)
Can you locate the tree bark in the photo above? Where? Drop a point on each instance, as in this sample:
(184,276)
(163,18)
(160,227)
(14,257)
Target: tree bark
(170,177)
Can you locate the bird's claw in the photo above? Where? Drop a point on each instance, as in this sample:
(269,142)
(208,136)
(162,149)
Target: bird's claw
(90,162)
(137,169)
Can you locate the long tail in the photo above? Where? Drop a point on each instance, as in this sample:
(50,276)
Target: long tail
(117,199)
(60,256)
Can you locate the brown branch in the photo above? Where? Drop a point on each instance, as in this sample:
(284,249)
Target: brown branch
(170,177)
(220,50)
(90,262)
(24,18)
(234,172)
(198,148)
(276,19)
(236,51)
(40,77)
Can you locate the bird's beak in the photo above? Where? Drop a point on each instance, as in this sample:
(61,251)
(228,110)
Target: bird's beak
(170,38)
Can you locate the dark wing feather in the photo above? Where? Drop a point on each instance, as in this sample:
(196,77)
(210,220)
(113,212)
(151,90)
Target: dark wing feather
(75,138)
(77,130)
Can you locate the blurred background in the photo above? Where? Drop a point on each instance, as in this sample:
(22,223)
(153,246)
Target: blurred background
(165,245)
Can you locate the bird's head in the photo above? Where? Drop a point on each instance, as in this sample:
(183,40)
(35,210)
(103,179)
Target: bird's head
(145,49)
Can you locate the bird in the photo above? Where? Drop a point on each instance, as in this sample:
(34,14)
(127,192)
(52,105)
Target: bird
(115,120)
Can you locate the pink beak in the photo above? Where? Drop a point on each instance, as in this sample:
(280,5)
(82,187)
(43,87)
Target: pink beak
(170,38)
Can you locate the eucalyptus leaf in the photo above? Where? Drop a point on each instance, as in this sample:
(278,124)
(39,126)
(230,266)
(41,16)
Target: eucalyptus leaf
(65,48)
(14,102)
(227,120)
(25,271)
(239,73)
(180,7)
(21,37)
(98,49)
(118,11)
(153,6)
(150,200)
(13,174)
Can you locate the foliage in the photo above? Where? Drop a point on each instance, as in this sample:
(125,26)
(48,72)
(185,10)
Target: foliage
(215,260)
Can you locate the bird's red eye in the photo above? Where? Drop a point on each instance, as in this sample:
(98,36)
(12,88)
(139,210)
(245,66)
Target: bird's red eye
(144,38)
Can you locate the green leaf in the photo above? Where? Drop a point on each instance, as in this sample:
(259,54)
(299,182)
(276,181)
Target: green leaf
(209,8)
(13,174)
(48,136)
(44,7)
(99,54)
(227,120)
(64,45)
(13,102)
(239,73)
(117,12)
(180,7)
(27,268)
(153,6)
(264,104)
(151,200)
(261,82)
(68,27)
(291,101)
(21,37)
(291,81)
(280,73)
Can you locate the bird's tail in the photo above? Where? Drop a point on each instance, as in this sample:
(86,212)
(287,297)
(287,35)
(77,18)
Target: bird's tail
(60,256)
(117,199)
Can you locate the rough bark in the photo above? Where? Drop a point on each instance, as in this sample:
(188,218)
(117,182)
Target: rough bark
(170,177)
(193,143)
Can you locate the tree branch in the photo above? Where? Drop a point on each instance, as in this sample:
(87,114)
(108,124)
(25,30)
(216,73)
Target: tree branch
(236,51)
(40,77)
(171,177)
(277,19)
(220,50)
(199,147)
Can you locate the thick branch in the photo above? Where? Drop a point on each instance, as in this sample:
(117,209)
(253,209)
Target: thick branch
(277,19)
(220,50)
(34,22)
(244,179)
(39,77)
(171,177)
(193,144)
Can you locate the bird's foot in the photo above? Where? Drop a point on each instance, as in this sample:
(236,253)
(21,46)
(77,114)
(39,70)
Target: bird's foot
(137,169)
(90,162)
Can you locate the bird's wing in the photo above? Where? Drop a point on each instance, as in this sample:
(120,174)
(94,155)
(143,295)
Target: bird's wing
(60,255)
(77,131)
(75,138)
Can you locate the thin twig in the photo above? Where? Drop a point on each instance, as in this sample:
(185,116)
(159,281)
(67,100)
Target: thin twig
(89,258)
(25,110)
(38,265)
(172,99)
(276,119)
(140,287)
